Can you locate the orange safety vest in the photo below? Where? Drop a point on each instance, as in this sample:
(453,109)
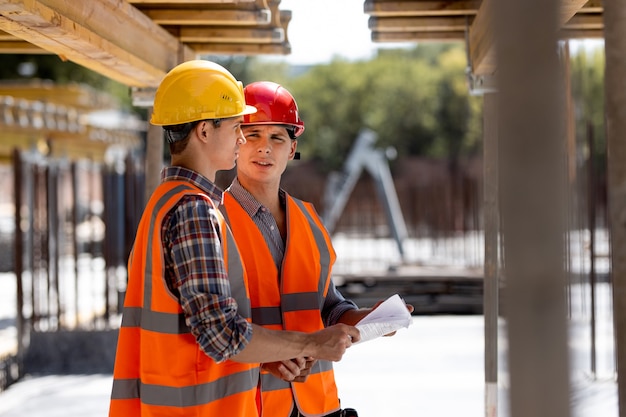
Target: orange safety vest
(293,302)
(160,370)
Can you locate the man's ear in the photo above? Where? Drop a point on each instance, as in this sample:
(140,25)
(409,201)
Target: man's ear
(292,152)
(201,130)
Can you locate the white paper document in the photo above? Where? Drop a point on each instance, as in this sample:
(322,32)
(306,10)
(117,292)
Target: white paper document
(388,317)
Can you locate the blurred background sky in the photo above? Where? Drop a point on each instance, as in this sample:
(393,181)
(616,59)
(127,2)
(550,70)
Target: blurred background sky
(322,29)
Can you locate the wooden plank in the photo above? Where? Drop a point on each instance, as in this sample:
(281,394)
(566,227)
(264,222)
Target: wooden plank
(481,39)
(482,59)
(585,22)
(440,36)
(581,34)
(399,37)
(592,6)
(4,36)
(285,18)
(71,95)
(204,34)
(421,8)
(422,24)
(21,47)
(240,48)
(69,30)
(171,3)
(208,17)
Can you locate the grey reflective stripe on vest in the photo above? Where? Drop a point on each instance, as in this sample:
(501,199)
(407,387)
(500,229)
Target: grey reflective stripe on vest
(270,383)
(266,316)
(154,321)
(236,276)
(124,389)
(324,258)
(301,301)
(151,320)
(147,293)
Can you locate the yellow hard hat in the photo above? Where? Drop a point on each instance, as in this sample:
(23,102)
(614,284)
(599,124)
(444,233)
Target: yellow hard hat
(198,90)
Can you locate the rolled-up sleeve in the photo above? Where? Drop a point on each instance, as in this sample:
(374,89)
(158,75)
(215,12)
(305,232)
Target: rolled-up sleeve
(197,275)
(335,305)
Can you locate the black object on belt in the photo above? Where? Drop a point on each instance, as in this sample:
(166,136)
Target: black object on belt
(348,412)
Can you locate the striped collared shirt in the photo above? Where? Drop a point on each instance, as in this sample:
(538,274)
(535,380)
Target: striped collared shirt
(335,304)
(195,271)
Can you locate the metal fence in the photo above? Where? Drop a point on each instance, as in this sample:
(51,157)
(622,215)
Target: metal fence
(73,224)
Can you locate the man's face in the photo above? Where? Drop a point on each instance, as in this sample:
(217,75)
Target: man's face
(266,152)
(226,139)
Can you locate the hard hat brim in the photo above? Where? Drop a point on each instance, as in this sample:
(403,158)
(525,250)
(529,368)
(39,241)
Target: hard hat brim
(248,110)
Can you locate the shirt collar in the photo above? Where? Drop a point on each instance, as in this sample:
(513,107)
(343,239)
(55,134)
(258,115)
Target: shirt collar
(177,173)
(247,200)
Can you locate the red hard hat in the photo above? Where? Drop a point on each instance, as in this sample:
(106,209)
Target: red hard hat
(274,104)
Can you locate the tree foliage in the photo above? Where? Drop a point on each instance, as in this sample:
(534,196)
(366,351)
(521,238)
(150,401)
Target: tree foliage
(587,80)
(415,99)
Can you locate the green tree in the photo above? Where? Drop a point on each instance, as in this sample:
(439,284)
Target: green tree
(458,113)
(415,99)
(587,80)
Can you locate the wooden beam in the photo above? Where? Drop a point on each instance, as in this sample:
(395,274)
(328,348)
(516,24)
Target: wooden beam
(4,36)
(566,33)
(451,36)
(421,24)
(208,17)
(420,8)
(204,34)
(592,6)
(240,49)
(191,1)
(481,45)
(108,45)
(481,38)
(585,22)
(21,47)
(440,36)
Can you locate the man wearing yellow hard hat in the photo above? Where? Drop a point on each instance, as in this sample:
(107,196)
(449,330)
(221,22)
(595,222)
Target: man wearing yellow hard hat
(186,345)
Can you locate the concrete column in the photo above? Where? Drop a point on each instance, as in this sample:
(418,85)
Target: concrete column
(491,272)
(615,95)
(532,177)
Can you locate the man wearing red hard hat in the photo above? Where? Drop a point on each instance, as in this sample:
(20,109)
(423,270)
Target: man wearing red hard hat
(288,256)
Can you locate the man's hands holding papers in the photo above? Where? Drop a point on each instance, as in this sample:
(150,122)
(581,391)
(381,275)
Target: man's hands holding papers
(385,318)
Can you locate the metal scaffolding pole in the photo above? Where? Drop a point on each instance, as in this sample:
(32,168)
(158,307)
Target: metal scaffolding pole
(491,272)
(532,178)
(615,88)
(154,158)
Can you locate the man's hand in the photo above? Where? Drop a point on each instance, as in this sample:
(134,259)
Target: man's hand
(294,370)
(306,371)
(352,317)
(331,343)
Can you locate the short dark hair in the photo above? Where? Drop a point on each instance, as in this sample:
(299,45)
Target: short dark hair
(175,133)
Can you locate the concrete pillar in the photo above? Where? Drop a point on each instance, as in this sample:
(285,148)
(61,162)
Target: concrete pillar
(491,271)
(615,96)
(532,177)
